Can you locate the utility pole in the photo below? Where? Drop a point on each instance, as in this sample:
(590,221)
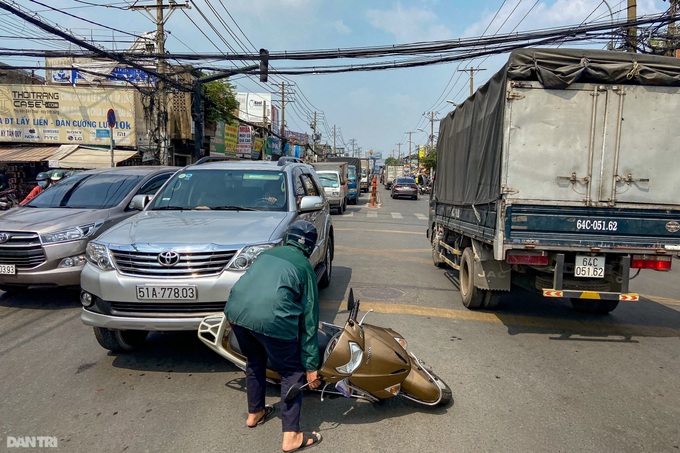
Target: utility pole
(353,142)
(162,118)
(472,77)
(264,128)
(671,42)
(632,30)
(283,109)
(398,151)
(409,148)
(334,152)
(314,135)
(432,129)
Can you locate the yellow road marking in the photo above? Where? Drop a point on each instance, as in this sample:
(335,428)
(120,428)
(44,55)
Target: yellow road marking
(662,300)
(553,324)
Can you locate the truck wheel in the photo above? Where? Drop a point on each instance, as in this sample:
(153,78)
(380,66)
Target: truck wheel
(491,299)
(328,261)
(435,253)
(120,340)
(472,297)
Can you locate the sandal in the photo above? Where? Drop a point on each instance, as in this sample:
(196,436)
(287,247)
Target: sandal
(306,437)
(268,411)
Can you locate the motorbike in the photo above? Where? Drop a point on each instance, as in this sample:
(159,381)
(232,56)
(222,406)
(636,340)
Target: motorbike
(359,360)
(8,199)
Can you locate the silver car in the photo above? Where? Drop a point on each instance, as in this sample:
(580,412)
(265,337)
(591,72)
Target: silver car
(175,262)
(42,243)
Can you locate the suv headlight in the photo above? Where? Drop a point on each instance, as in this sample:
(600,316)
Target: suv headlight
(245,258)
(70,234)
(98,255)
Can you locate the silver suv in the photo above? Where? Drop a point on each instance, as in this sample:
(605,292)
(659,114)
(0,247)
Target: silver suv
(175,262)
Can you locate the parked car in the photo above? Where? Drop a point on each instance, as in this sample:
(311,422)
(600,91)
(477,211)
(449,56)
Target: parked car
(42,243)
(405,187)
(175,262)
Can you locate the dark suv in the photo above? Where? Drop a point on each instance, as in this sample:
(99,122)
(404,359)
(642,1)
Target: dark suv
(169,266)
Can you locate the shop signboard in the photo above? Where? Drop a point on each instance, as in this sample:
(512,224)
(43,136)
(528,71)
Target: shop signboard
(230,139)
(255,107)
(244,146)
(50,114)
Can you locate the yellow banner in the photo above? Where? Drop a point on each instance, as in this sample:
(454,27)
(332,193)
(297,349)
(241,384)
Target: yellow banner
(230,139)
(66,115)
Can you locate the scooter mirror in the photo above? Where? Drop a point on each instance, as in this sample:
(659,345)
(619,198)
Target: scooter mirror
(350,300)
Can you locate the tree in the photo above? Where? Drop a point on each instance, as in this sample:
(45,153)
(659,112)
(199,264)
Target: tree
(220,100)
(430,159)
(391,161)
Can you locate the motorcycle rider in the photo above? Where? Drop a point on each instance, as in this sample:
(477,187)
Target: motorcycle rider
(273,310)
(43,182)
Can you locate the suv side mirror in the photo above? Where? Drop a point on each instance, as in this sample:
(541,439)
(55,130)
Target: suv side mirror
(310,203)
(139,201)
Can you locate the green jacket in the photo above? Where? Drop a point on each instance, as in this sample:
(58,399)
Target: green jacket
(278,297)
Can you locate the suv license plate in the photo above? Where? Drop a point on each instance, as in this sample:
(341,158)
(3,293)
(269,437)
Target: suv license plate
(589,266)
(154,292)
(7,269)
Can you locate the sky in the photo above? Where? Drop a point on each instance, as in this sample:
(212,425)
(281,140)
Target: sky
(387,111)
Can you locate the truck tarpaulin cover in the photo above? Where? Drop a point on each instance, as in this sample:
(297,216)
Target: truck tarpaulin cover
(470,138)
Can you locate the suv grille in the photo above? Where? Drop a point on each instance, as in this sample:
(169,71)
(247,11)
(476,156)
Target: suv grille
(190,264)
(23,250)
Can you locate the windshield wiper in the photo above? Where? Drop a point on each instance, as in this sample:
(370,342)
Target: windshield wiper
(232,208)
(170,208)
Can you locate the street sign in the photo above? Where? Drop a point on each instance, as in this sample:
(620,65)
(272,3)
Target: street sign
(111,118)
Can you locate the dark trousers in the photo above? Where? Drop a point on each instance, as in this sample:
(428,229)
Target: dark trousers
(284,357)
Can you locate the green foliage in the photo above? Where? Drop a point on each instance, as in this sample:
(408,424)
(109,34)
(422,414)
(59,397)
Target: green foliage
(430,159)
(219,100)
(391,161)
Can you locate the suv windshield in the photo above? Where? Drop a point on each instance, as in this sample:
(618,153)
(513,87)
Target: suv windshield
(223,189)
(88,191)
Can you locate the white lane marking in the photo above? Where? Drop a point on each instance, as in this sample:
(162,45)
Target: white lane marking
(396,215)
(372,214)
(421,216)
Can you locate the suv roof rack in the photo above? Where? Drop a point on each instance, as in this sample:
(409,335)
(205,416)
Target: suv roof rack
(205,159)
(287,160)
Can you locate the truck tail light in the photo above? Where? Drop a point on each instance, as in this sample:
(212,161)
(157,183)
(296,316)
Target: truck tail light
(656,262)
(537,259)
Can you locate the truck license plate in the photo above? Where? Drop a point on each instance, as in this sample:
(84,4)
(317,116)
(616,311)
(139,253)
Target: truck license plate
(7,269)
(154,292)
(589,266)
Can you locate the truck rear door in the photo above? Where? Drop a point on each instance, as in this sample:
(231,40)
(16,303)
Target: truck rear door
(593,145)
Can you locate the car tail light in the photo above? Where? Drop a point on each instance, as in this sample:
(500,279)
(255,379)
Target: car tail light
(537,259)
(656,262)
(398,186)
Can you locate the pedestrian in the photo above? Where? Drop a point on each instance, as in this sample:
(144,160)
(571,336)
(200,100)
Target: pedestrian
(4,179)
(43,182)
(273,310)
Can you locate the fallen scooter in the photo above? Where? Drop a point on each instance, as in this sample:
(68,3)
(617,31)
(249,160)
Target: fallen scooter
(358,360)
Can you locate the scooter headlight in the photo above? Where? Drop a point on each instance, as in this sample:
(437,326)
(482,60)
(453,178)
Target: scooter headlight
(356,354)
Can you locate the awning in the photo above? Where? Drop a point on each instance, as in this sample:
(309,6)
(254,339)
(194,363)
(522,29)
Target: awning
(74,156)
(26,153)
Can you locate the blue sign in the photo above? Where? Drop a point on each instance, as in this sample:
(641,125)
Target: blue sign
(103,133)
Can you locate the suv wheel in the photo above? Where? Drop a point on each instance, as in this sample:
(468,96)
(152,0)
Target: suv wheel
(328,262)
(120,340)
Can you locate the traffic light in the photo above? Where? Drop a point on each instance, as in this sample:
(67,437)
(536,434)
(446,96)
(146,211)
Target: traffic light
(264,64)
